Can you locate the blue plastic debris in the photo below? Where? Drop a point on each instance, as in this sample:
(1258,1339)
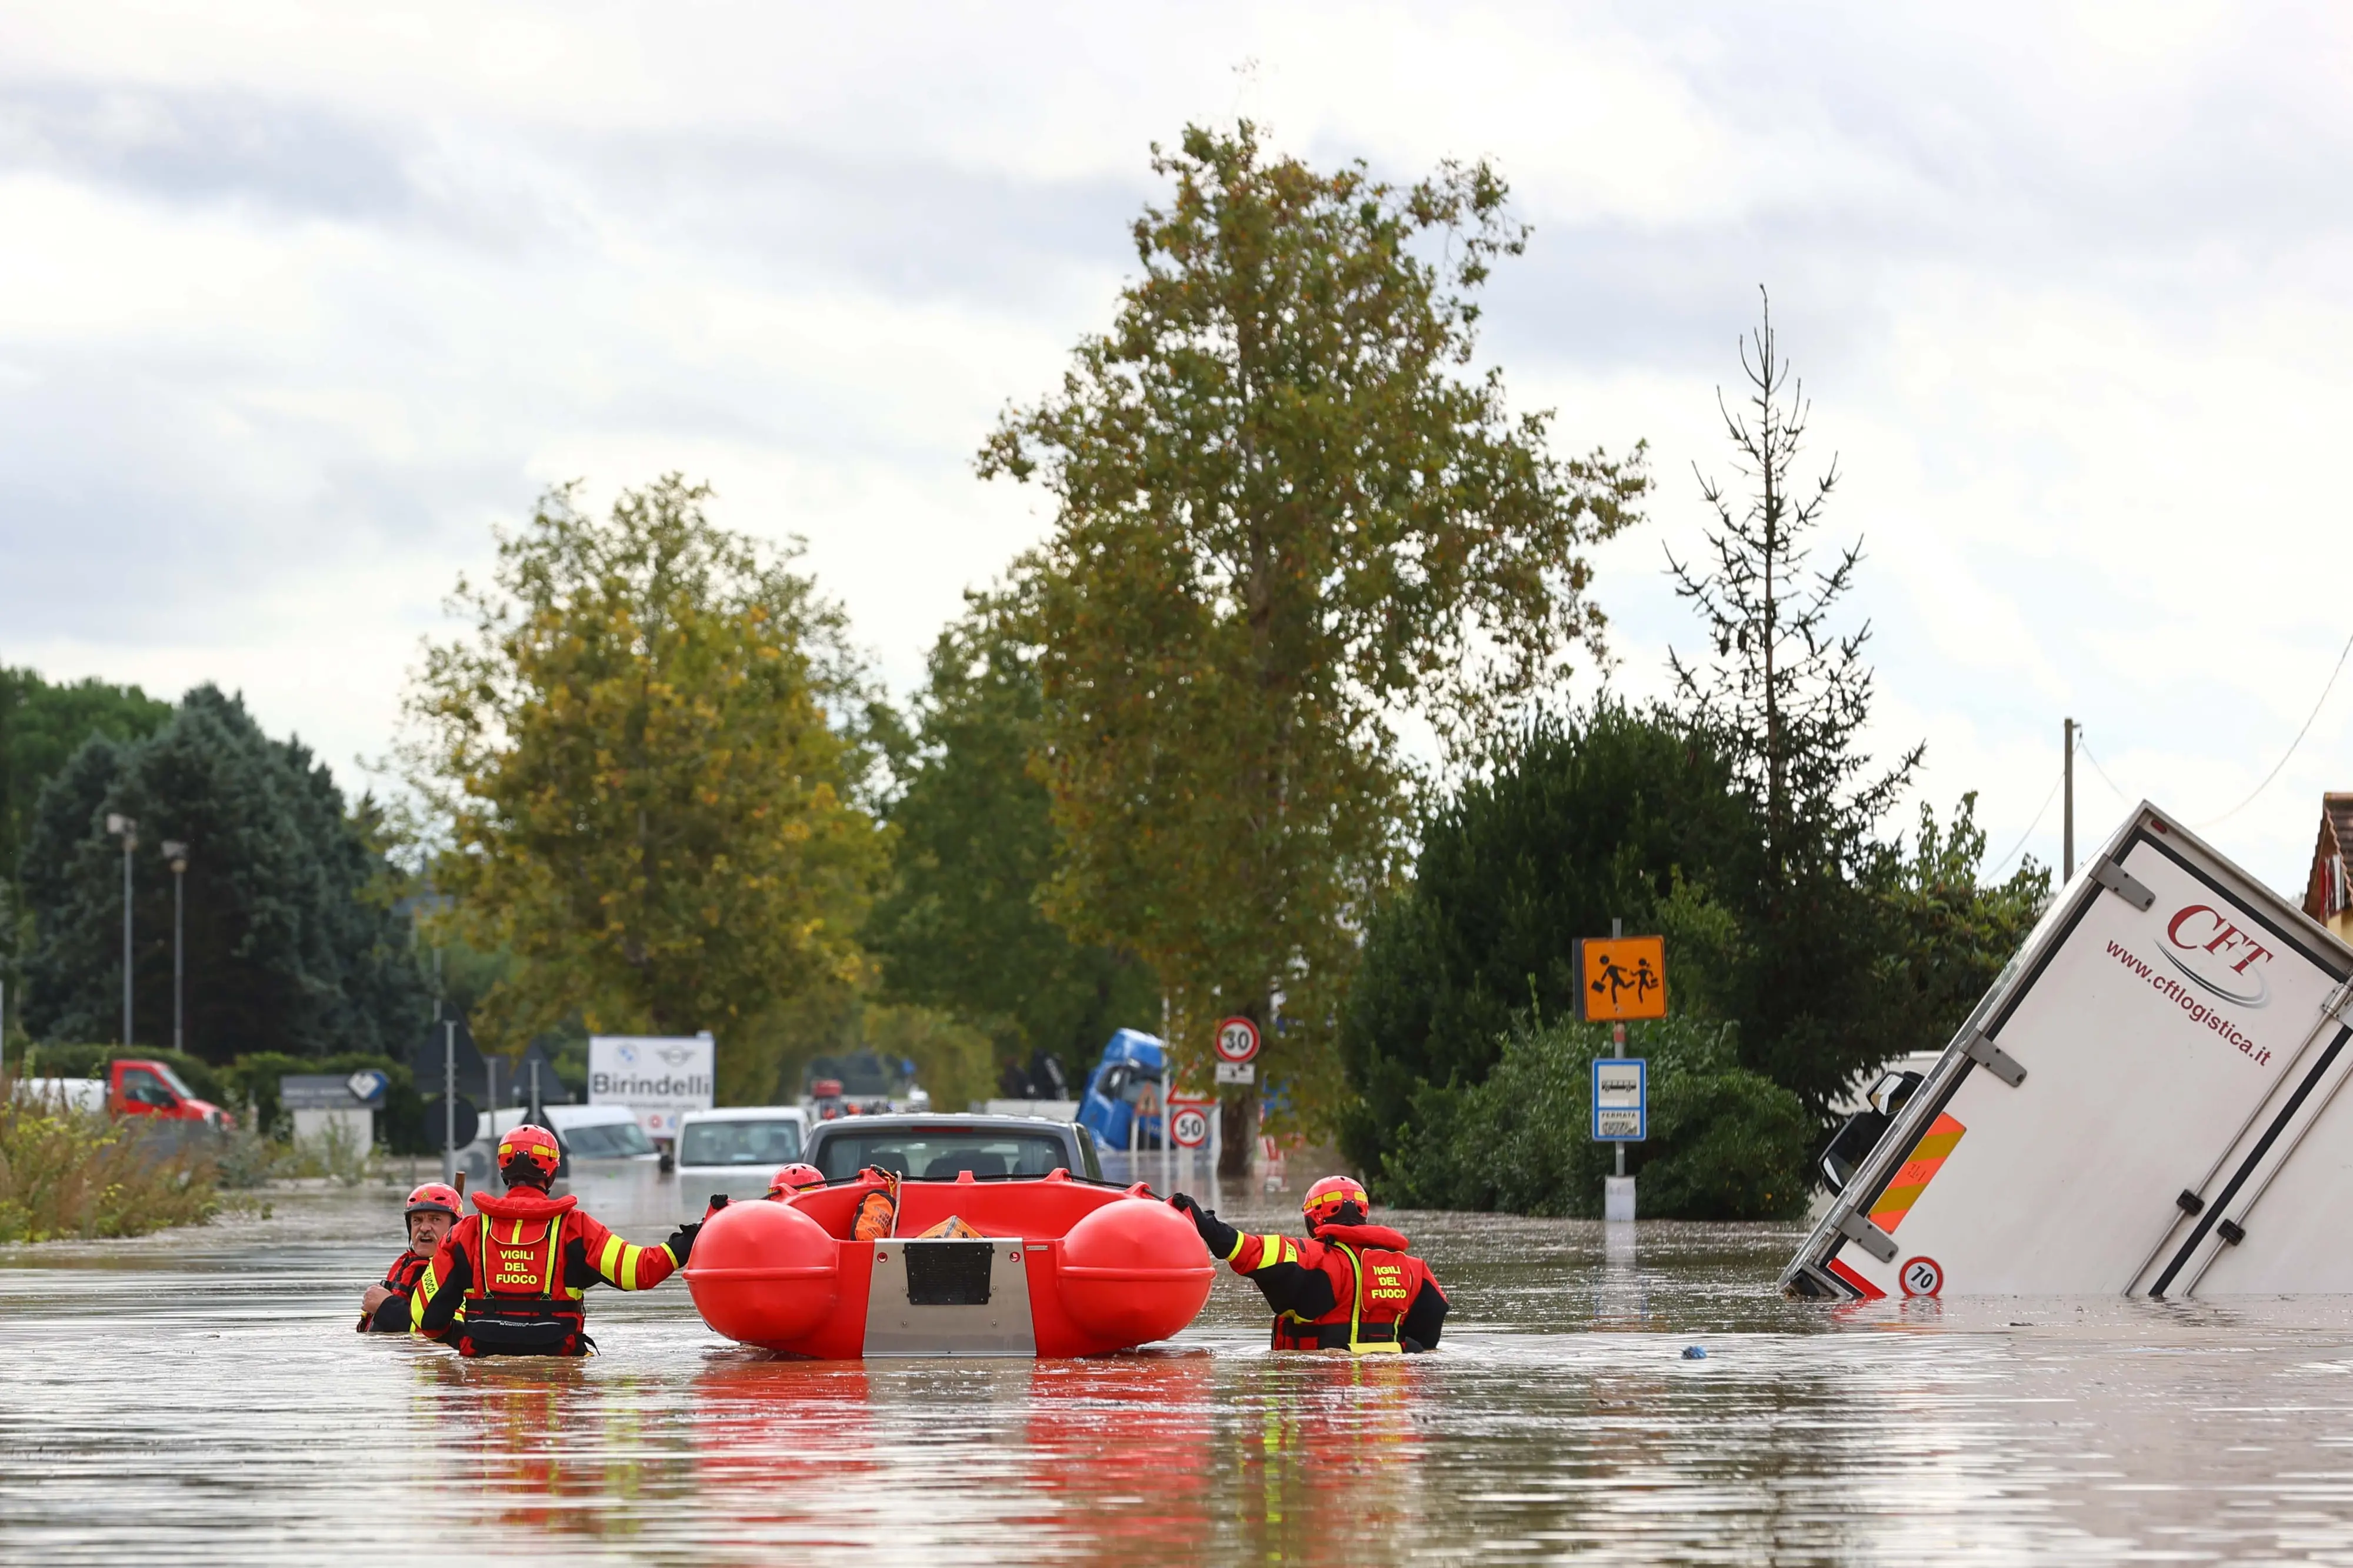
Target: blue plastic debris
(1694,1352)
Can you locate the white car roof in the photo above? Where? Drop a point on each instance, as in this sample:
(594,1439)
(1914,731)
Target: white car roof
(745,1113)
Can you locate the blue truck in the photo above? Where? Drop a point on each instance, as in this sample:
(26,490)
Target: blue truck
(1135,1067)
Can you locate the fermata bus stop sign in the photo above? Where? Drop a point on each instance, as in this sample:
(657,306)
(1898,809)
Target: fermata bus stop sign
(1621,1099)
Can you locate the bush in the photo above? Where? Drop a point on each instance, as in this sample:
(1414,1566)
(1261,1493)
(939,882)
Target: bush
(68,1173)
(1725,1144)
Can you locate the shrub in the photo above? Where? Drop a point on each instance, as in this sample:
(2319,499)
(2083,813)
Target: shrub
(1725,1144)
(400,1125)
(66,1172)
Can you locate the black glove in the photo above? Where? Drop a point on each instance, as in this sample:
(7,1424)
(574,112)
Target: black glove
(1216,1235)
(681,1241)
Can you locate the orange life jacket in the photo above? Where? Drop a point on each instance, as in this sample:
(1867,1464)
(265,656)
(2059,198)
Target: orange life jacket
(1374,1282)
(517,1302)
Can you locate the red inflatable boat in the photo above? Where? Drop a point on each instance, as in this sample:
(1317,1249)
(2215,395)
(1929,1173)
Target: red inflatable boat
(1065,1269)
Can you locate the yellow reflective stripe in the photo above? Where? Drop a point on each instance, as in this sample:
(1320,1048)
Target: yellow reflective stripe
(1274,1250)
(619,1263)
(1236,1250)
(426,1287)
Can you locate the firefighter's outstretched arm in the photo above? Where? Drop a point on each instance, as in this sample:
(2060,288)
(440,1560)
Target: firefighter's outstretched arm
(1272,1263)
(626,1267)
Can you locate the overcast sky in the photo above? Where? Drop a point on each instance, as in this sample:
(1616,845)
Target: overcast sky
(297,300)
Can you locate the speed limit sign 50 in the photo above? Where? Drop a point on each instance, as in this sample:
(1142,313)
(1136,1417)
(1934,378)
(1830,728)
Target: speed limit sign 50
(1236,1040)
(1189,1128)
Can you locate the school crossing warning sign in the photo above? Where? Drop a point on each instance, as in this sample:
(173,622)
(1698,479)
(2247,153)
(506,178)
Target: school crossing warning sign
(1621,977)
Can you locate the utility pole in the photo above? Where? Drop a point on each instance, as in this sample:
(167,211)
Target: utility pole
(177,854)
(2067,807)
(128,831)
(448,1099)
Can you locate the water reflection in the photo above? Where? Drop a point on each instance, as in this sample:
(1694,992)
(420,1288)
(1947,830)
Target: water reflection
(200,1399)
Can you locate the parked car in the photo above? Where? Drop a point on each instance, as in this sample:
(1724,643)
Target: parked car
(1132,1074)
(735,1150)
(130,1088)
(935,1147)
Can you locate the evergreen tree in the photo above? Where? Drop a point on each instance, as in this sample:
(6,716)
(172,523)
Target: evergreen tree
(1619,815)
(291,942)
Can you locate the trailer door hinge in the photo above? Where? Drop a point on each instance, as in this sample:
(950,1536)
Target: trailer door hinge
(1869,1237)
(2123,883)
(1995,1061)
(2189,1203)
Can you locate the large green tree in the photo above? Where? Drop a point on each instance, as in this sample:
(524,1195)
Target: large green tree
(42,725)
(960,928)
(1289,511)
(291,944)
(1612,815)
(648,754)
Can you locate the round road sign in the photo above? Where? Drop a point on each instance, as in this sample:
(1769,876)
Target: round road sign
(1922,1276)
(1189,1127)
(1236,1040)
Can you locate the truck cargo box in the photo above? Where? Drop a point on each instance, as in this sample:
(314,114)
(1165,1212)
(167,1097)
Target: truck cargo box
(2146,1102)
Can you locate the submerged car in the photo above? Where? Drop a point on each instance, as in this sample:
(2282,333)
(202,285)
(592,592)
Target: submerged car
(939,1148)
(735,1150)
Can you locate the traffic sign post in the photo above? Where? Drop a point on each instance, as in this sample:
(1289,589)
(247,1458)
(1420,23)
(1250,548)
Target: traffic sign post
(1621,1115)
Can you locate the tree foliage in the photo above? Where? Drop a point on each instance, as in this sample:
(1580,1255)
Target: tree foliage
(1616,813)
(290,942)
(1725,1144)
(648,756)
(960,928)
(1288,510)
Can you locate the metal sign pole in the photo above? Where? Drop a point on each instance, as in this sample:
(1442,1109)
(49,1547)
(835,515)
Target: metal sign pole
(448,1099)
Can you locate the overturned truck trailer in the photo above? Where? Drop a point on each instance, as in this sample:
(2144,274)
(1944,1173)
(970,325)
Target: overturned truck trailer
(2148,1101)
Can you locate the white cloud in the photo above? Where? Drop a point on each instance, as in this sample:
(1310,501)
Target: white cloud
(297,298)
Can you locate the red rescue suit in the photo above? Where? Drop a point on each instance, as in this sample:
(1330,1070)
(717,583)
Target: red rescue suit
(407,1271)
(1350,1287)
(509,1279)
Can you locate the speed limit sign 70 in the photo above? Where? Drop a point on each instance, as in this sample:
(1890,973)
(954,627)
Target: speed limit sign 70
(1236,1040)
(1189,1128)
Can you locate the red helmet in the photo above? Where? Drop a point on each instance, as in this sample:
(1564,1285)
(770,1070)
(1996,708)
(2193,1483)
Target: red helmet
(793,1178)
(529,1155)
(1324,1200)
(434,1197)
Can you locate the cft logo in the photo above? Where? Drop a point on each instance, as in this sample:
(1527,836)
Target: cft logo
(2213,954)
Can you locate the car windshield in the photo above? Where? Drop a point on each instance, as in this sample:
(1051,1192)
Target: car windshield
(169,1077)
(938,1154)
(612,1140)
(756,1141)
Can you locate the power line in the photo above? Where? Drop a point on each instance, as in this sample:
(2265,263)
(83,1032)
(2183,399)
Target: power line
(2089,757)
(2292,745)
(2032,826)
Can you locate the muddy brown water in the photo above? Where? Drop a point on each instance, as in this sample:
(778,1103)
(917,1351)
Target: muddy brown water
(198,1397)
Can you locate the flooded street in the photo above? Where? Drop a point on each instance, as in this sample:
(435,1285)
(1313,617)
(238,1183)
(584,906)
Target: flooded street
(198,1397)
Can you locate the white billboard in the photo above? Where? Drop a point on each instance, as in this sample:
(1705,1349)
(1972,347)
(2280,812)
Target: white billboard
(655,1076)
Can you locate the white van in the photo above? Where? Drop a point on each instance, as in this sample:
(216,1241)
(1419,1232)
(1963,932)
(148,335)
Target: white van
(734,1150)
(600,1134)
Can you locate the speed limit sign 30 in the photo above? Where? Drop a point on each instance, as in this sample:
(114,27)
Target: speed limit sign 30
(1236,1040)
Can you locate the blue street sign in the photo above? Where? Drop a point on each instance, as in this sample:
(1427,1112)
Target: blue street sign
(1621,1099)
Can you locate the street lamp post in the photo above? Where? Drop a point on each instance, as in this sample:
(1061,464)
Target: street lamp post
(127,829)
(176,853)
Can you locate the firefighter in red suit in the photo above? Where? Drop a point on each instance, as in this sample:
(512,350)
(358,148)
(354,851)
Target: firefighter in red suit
(432,1209)
(509,1279)
(1350,1286)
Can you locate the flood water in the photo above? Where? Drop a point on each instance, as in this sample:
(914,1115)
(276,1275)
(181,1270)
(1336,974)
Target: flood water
(199,1398)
